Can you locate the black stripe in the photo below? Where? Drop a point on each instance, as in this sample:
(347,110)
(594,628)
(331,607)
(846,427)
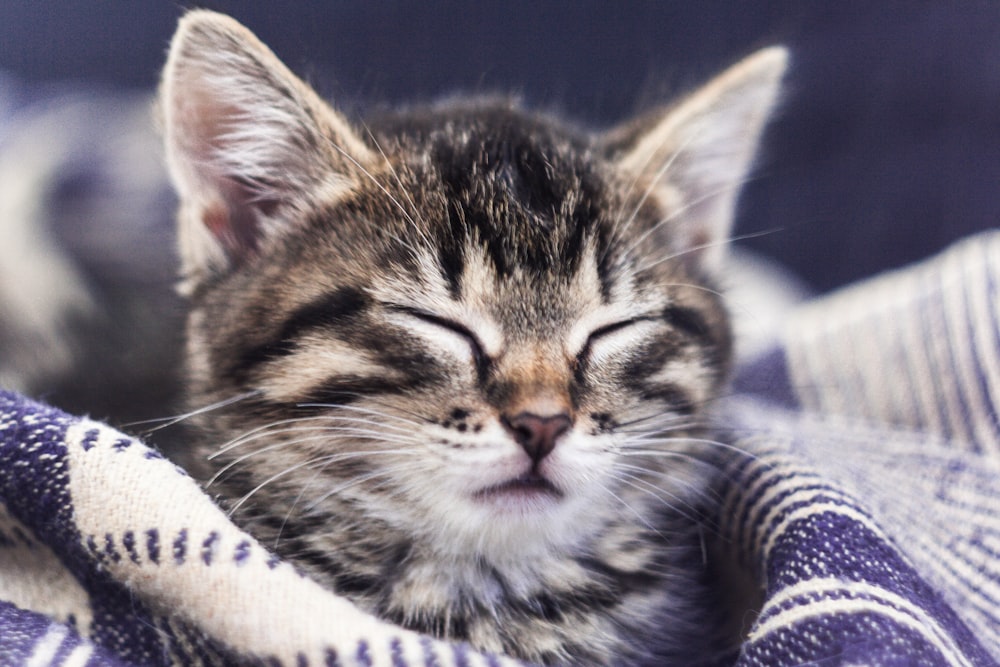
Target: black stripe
(405,367)
(605,269)
(670,394)
(346,389)
(260,354)
(620,582)
(482,361)
(689,322)
(334,309)
(451,250)
(651,359)
(716,341)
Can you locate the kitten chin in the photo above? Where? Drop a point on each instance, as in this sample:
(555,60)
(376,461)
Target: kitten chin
(457,365)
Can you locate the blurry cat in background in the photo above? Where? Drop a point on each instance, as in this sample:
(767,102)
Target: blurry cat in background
(89,318)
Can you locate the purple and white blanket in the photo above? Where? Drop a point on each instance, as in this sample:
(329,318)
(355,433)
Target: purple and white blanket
(866,504)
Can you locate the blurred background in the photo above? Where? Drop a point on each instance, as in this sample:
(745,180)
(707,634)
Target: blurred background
(886,150)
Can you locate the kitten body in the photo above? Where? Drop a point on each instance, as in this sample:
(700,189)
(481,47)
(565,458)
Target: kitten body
(459,357)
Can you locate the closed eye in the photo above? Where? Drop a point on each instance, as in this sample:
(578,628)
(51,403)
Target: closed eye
(605,331)
(479,355)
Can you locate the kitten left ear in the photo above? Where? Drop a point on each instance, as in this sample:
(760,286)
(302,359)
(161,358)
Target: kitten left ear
(249,145)
(693,158)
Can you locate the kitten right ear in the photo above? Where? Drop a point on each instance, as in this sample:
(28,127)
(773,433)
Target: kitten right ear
(248,144)
(695,156)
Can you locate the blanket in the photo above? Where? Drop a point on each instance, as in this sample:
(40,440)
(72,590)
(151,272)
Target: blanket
(863,496)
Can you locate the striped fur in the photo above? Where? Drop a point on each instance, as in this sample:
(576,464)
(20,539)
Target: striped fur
(375,314)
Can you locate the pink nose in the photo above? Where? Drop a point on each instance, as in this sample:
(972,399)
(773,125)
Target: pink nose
(537,435)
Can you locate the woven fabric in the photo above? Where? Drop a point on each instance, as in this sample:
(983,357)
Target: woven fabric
(863,497)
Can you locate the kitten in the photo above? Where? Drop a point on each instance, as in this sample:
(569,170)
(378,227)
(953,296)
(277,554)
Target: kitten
(459,354)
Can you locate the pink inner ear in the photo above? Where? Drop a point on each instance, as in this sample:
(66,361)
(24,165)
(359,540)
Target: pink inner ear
(200,123)
(233,221)
(216,219)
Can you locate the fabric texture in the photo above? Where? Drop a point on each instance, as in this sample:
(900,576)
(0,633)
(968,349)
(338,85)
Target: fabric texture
(863,496)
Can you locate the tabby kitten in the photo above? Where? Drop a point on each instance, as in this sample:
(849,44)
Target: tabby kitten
(459,354)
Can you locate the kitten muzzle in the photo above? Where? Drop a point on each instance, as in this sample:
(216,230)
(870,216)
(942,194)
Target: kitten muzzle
(528,484)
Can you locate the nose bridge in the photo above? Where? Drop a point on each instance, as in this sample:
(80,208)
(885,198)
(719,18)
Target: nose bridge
(541,379)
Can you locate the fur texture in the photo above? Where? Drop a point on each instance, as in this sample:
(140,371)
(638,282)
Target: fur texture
(454,361)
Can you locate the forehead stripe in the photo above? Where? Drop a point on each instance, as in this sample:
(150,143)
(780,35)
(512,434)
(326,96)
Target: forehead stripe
(329,310)
(333,308)
(689,322)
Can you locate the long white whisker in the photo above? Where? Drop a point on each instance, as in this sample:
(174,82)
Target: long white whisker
(384,472)
(392,170)
(668,419)
(265,431)
(311,424)
(319,437)
(695,489)
(367,411)
(634,511)
(704,441)
(673,215)
(656,423)
(672,501)
(664,454)
(706,246)
(176,419)
(332,458)
(660,173)
(388,194)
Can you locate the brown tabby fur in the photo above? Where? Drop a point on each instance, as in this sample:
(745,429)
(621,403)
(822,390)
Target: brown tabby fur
(458,356)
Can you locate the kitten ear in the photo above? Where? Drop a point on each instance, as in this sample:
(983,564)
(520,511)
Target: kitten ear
(248,144)
(694,157)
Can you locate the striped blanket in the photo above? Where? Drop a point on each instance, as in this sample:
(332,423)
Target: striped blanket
(864,499)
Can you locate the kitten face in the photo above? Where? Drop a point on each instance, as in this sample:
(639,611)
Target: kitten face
(459,359)
(490,350)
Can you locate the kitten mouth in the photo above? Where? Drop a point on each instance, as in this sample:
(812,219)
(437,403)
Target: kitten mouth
(530,484)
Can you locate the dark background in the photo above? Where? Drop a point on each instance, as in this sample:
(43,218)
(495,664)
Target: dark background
(888,147)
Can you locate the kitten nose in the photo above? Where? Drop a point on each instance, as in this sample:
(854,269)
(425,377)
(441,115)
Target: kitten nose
(536,434)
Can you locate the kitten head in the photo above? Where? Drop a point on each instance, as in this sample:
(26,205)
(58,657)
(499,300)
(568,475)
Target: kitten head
(476,325)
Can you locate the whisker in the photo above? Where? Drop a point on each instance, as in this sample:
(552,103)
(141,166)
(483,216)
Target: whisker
(654,182)
(659,428)
(392,170)
(697,490)
(673,215)
(706,246)
(298,441)
(271,429)
(326,460)
(642,519)
(657,424)
(674,502)
(699,288)
(388,194)
(666,454)
(176,419)
(368,411)
(668,419)
(388,473)
(620,225)
(703,441)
